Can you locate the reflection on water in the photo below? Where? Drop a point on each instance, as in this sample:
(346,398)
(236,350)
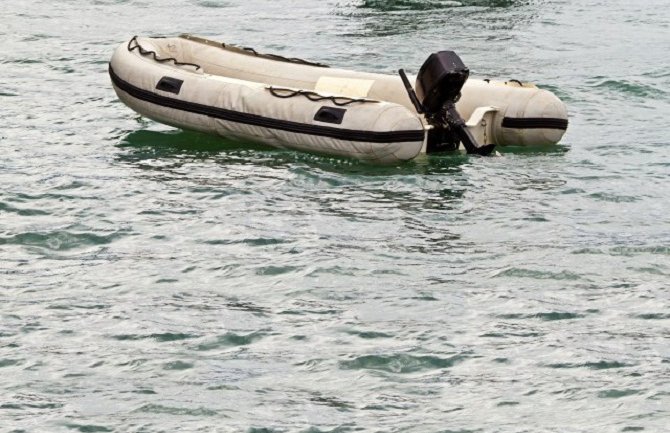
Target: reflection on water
(174,140)
(330,187)
(172,149)
(240,287)
(394,5)
(560,149)
(441,19)
(143,146)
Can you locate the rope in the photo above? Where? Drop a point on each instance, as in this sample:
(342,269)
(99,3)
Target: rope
(509,81)
(295,60)
(284,59)
(315,97)
(155,56)
(252,51)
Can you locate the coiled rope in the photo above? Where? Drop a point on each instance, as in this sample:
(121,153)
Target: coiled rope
(145,52)
(284,93)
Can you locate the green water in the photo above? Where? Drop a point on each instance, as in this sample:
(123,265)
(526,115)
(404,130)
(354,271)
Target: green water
(154,280)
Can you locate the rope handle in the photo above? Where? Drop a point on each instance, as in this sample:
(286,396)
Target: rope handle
(249,50)
(146,52)
(340,101)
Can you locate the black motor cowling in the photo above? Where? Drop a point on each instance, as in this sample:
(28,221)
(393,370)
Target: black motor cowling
(440,80)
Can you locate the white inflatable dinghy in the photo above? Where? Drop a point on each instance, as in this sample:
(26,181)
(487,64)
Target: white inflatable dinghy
(197,84)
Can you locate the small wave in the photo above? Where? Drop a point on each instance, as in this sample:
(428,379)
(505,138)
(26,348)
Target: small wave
(21,61)
(24,406)
(4,207)
(507,403)
(213,4)
(37,37)
(71,306)
(10,362)
(166,280)
(335,270)
(230,339)
(304,311)
(547,316)
(184,411)
(368,335)
(614,198)
(618,393)
(511,334)
(658,73)
(629,88)
(339,429)
(630,251)
(653,270)
(144,391)
(652,316)
(331,401)
(276,270)
(89,428)
(401,363)
(177,365)
(397,5)
(166,143)
(626,251)
(60,240)
(538,275)
(598,365)
(249,307)
(254,242)
(133,363)
(418,5)
(164,337)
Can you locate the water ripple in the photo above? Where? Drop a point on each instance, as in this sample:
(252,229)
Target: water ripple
(60,240)
(400,363)
(162,280)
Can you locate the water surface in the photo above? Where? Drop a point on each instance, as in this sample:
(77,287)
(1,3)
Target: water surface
(159,280)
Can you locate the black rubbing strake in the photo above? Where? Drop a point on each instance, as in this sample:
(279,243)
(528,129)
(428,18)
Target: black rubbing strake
(251,51)
(535,123)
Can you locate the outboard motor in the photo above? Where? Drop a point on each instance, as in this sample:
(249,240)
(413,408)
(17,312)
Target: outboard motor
(438,88)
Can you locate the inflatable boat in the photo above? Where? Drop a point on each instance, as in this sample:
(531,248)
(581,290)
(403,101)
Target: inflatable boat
(198,84)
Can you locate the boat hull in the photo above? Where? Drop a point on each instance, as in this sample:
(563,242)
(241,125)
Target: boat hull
(196,84)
